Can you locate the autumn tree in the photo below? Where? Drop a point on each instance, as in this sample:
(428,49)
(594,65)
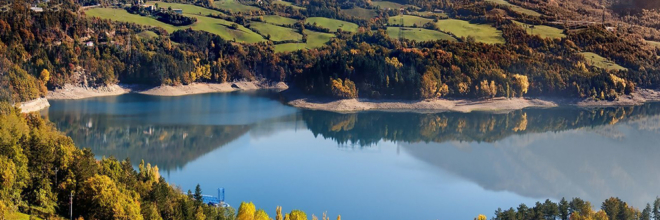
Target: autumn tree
(246,211)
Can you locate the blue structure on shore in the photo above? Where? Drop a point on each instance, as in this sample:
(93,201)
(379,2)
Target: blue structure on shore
(216,201)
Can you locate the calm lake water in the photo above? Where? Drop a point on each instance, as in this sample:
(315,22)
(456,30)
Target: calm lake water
(375,165)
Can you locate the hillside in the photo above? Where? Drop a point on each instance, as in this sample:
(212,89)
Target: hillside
(340,49)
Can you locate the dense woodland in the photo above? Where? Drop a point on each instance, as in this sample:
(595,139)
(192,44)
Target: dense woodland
(578,209)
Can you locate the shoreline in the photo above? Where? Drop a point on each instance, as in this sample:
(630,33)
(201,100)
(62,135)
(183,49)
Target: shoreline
(33,105)
(299,100)
(499,104)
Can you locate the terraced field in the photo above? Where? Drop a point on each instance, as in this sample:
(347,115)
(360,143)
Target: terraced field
(408,20)
(360,12)
(542,30)
(333,24)
(187,8)
(481,32)
(277,33)
(314,40)
(516,8)
(419,34)
(234,6)
(601,62)
(276,19)
(216,26)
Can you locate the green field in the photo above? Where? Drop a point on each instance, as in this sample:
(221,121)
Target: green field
(187,9)
(386,4)
(211,25)
(123,16)
(601,62)
(314,40)
(481,32)
(288,4)
(222,28)
(276,19)
(419,34)
(147,34)
(333,24)
(277,33)
(360,12)
(408,20)
(542,30)
(234,6)
(516,8)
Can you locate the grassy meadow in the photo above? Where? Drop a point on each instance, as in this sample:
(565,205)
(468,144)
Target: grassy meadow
(187,8)
(276,19)
(360,12)
(314,40)
(277,33)
(333,24)
(419,34)
(234,6)
(542,30)
(408,20)
(601,62)
(481,32)
(516,8)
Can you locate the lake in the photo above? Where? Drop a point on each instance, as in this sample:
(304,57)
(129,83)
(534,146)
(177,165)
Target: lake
(375,165)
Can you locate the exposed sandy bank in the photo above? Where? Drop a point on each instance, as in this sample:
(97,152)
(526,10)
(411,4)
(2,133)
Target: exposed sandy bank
(199,88)
(33,105)
(639,97)
(79,92)
(439,105)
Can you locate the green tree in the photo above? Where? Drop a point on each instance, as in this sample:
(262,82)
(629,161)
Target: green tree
(198,193)
(646,213)
(563,209)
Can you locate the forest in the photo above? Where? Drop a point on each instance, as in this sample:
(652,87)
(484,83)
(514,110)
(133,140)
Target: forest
(578,209)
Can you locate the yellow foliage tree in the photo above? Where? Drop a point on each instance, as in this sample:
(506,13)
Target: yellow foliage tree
(297,215)
(520,84)
(480,217)
(343,89)
(246,211)
(261,215)
(278,213)
(101,192)
(431,86)
(44,76)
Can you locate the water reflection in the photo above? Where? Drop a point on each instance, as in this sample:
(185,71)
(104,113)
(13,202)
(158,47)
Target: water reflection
(533,153)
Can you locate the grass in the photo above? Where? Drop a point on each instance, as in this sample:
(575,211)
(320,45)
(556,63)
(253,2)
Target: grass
(481,32)
(314,40)
(543,31)
(276,19)
(222,29)
(123,16)
(409,20)
(20,216)
(386,4)
(333,24)
(419,34)
(601,62)
(516,8)
(147,34)
(654,43)
(288,4)
(360,12)
(277,33)
(234,6)
(187,8)
(211,25)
